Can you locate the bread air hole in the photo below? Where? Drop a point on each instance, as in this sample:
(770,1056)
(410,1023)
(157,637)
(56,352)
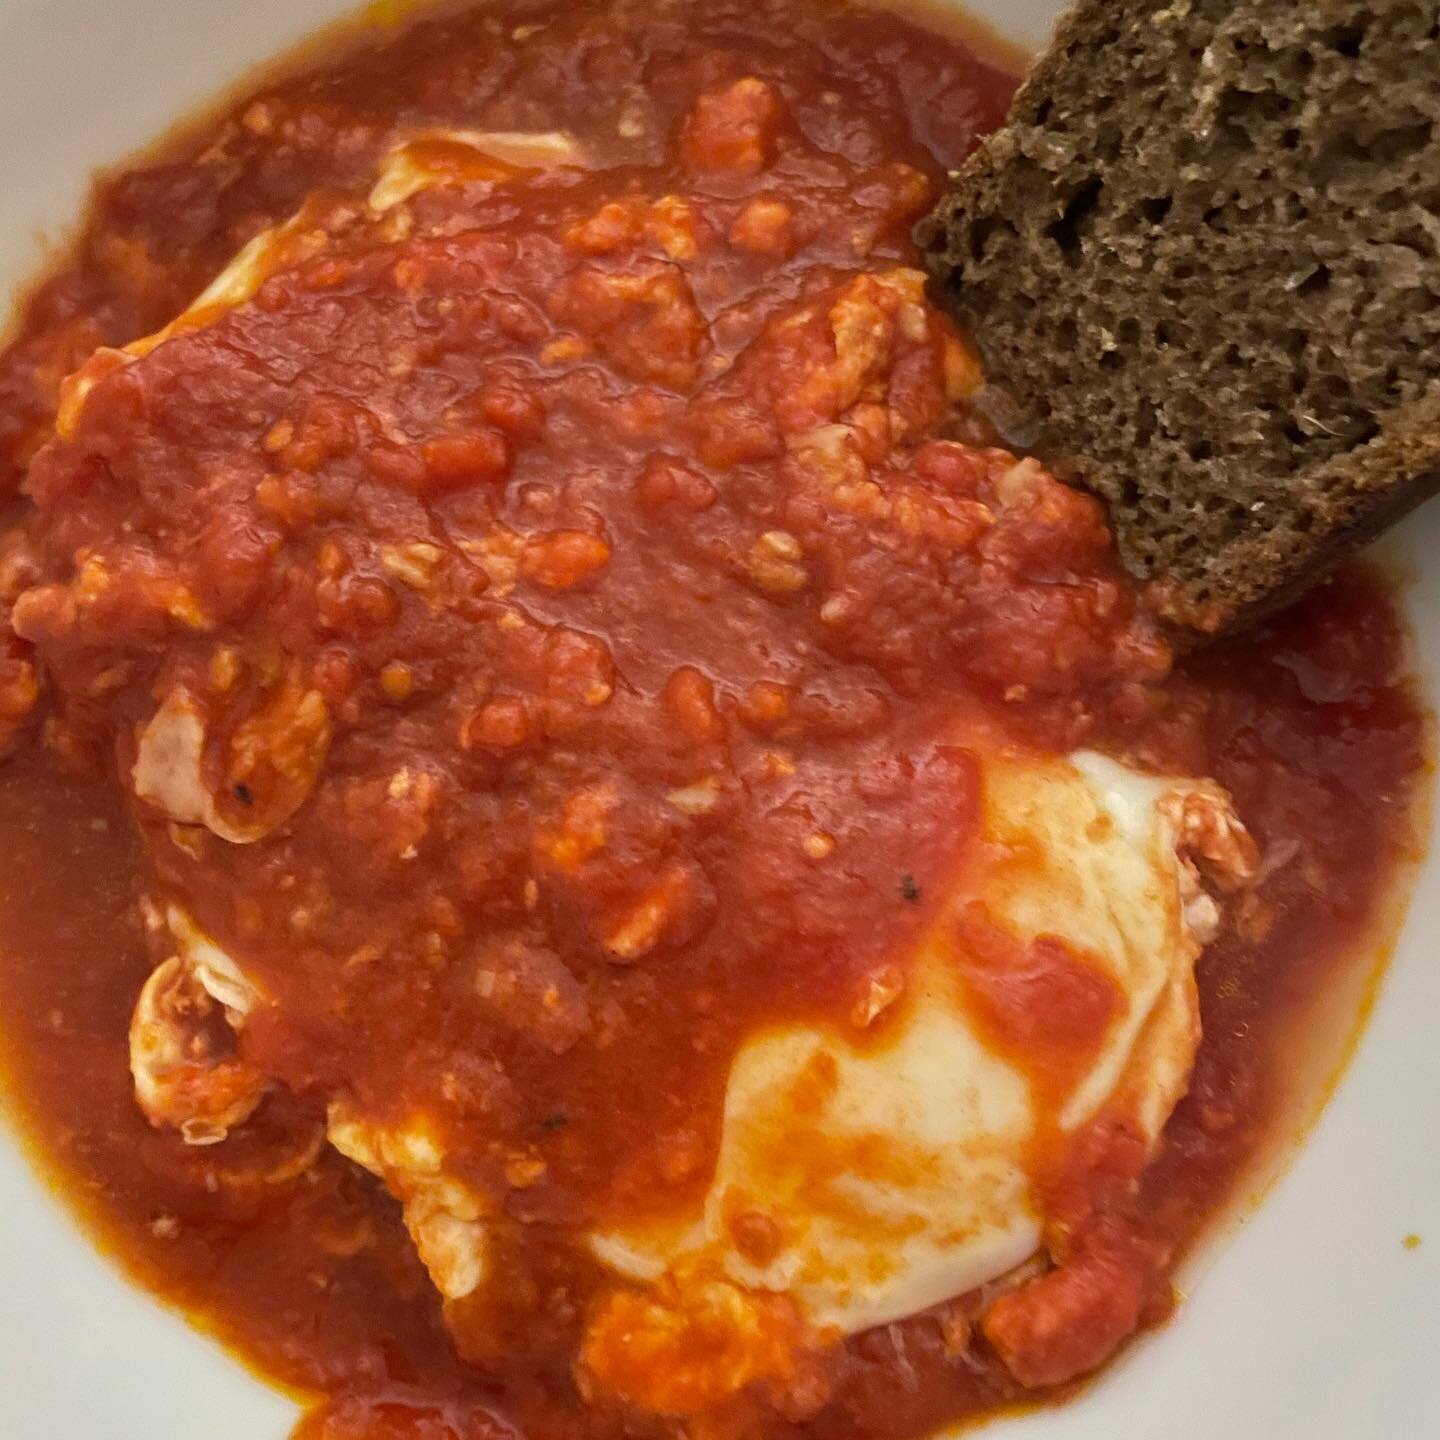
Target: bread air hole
(1065,231)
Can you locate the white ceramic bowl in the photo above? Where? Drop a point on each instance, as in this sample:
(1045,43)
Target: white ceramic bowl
(1313,1322)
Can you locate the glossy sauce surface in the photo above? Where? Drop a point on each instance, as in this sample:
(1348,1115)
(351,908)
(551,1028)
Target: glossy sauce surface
(530,496)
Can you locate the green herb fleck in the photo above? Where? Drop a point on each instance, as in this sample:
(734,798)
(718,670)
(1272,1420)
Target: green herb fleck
(558,1121)
(909,888)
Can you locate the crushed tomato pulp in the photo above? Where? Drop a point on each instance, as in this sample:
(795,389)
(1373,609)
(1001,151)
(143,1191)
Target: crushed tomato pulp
(563,560)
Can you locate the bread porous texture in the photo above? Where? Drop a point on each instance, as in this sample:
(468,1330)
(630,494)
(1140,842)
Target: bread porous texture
(1202,263)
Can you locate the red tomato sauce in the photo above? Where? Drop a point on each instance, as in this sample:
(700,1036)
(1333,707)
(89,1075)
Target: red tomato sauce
(1040,1001)
(575,571)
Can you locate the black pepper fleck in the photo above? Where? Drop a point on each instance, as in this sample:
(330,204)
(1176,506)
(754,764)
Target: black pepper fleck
(243,794)
(909,889)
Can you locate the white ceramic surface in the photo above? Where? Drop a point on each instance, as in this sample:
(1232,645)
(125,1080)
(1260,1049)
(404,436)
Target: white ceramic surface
(1313,1322)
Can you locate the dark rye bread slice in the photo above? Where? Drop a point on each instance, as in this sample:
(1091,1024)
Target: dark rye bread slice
(1202,261)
